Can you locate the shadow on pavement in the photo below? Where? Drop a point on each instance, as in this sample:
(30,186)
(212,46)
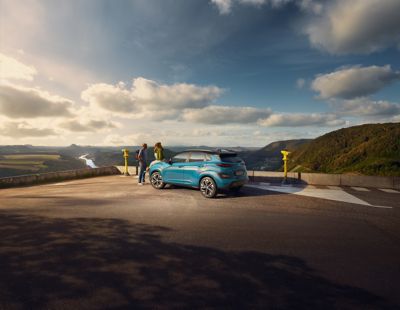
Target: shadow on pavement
(103,263)
(243,192)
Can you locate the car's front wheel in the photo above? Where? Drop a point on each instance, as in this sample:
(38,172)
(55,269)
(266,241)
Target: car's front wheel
(157,180)
(208,187)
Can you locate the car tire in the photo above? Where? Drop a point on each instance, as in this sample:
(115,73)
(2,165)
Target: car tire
(156,180)
(208,188)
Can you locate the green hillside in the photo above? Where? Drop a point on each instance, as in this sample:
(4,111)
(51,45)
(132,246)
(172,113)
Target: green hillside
(269,157)
(372,149)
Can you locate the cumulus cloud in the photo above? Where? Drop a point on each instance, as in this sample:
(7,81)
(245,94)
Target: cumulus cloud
(357,26)
(225,6)
(11,68)
(225,114)
(369,108)
(352,82)
(114,98)
(149,98)
(310,6)
(87,126)
(23,102)
(24,130)
(301,120)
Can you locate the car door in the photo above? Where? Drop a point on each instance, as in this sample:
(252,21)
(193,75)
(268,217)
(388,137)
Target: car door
(192,169)
(174,173)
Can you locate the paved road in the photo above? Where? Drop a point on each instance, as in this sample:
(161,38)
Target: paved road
(107,242)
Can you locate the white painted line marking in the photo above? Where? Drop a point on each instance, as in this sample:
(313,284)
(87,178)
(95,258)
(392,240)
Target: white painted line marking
(360,189)
(388,190)
(382,207)
(335,187)
(329,194)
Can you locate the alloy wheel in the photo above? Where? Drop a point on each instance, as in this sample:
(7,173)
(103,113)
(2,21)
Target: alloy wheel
(208,187)
(156,180)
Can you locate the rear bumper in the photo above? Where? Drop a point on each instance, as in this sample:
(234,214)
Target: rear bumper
(236,184)
(231,183)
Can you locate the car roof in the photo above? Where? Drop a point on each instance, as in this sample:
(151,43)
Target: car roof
(213,152)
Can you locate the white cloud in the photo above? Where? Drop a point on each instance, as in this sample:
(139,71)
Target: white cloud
(11,68)
(147,98)
(357,26)
(366,107)
(310,6)
(23,129)
(224,6)
(24,102)
(75,125)
(225,114)
(301,120)
(354,82)
(109,97)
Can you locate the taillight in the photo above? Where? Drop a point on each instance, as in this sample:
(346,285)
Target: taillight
(224,165)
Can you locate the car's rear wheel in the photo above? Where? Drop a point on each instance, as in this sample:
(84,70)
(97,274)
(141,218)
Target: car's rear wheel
(156,180)
(208,188)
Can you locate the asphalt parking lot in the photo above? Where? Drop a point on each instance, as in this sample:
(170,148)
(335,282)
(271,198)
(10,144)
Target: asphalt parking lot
(108,243)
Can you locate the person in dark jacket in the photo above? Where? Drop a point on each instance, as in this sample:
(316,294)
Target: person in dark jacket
(142,158)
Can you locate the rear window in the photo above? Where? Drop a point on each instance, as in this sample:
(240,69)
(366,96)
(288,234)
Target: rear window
(231,158)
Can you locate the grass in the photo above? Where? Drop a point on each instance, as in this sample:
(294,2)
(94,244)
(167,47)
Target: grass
(371,149)
(18,164)
(30,162)
(20,167)
(41,157)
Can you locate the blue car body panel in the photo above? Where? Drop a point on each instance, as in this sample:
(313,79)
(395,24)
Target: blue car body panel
(190,173)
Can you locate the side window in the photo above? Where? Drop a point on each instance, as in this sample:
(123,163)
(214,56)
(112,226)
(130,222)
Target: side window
(197,156)
(180,158)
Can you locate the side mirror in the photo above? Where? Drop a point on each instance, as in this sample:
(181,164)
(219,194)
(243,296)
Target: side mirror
(170,161)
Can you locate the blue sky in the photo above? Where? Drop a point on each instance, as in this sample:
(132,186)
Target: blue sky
(191,72)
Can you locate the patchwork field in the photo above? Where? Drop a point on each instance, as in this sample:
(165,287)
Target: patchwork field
(18,164)
(31,162)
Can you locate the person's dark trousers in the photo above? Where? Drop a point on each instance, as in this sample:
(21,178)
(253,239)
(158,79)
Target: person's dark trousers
(142,171)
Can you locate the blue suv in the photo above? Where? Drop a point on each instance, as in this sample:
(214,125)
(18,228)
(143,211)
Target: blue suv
(207,170)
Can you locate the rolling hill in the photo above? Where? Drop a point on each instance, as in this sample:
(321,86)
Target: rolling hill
(372,149)
(269,157)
